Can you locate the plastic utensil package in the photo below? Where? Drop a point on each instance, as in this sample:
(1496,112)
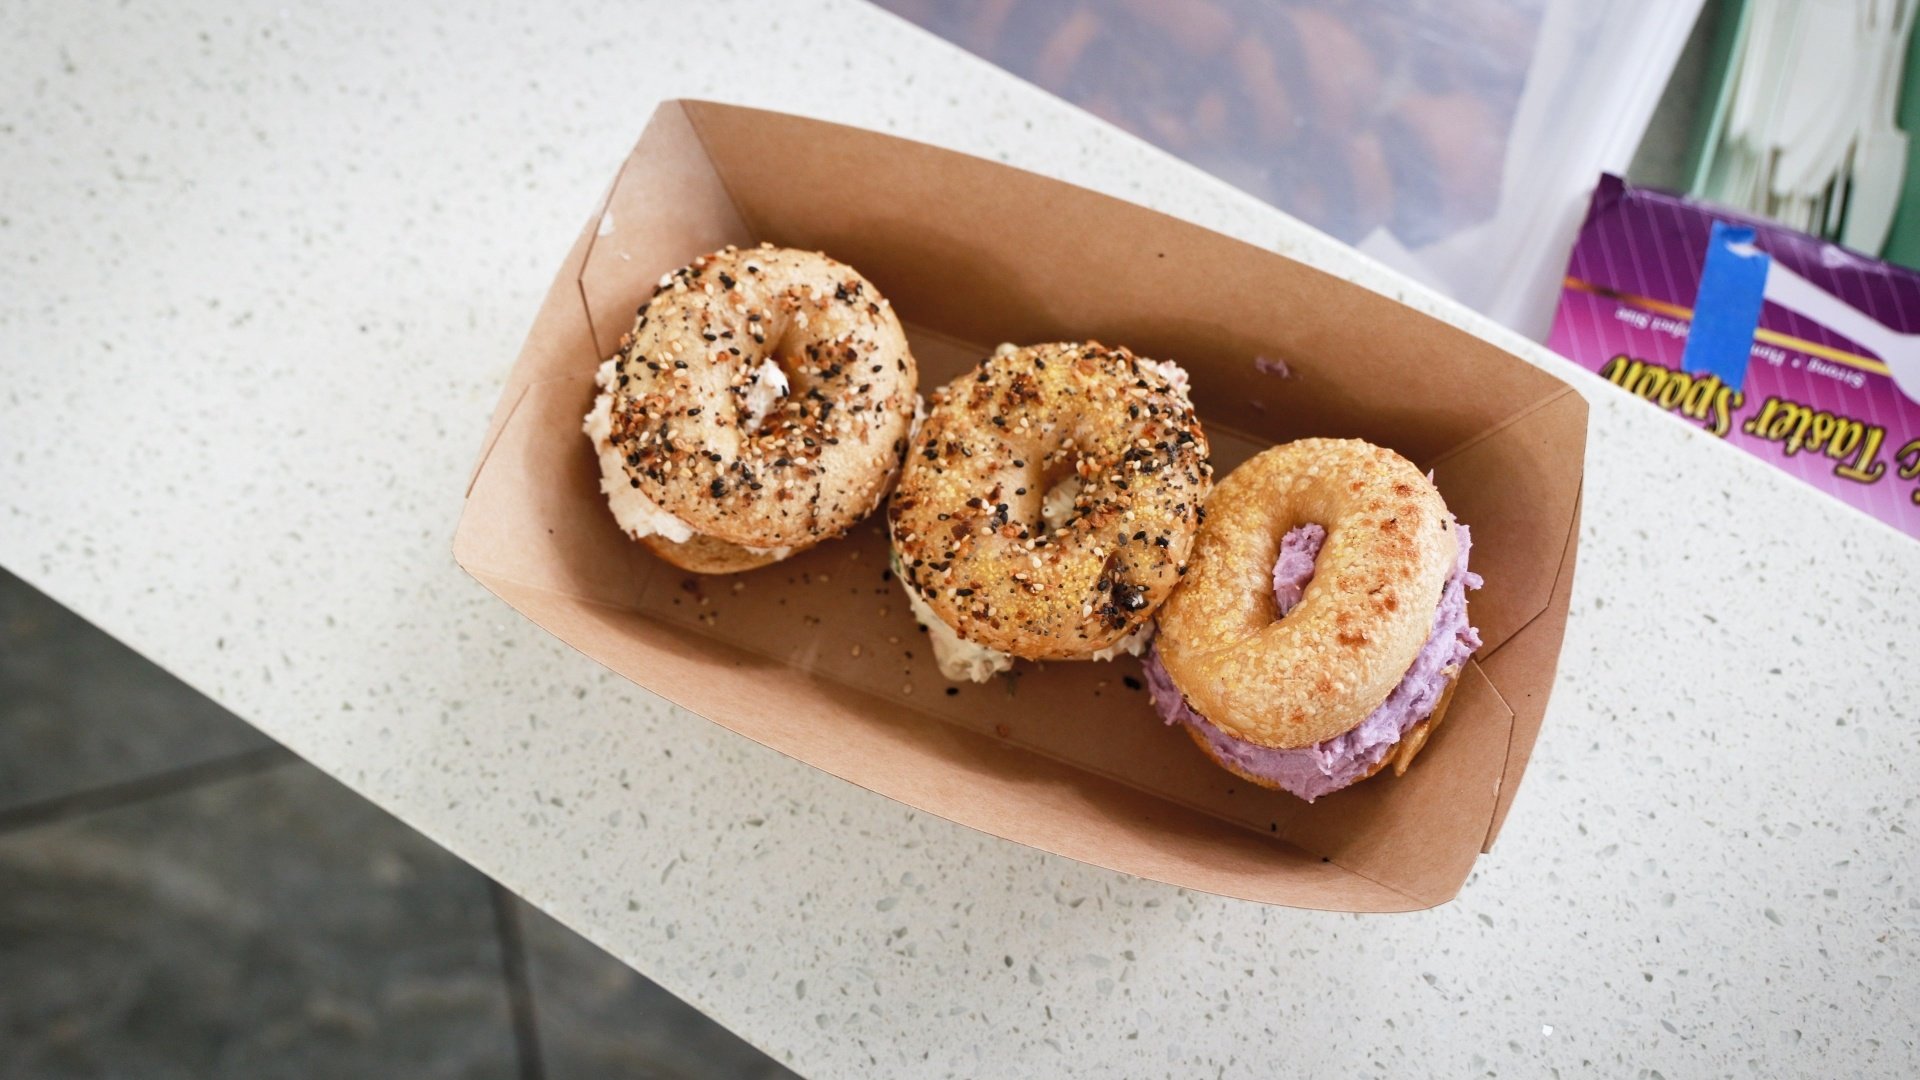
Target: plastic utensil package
(1825,385)
(818,657)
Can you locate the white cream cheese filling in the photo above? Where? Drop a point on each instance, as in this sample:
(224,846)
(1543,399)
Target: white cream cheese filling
(1133,644)
(958,658)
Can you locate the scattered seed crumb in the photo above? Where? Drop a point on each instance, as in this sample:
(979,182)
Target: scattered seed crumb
(856,650)
(1002,730)
(953,691)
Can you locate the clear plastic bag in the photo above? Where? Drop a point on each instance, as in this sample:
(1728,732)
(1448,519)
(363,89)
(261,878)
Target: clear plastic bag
(1455,141)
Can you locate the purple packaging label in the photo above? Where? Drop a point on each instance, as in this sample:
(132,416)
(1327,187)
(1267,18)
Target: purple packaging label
(1813,403)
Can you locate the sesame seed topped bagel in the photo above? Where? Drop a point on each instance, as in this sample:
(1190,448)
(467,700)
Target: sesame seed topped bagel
(1390,546)
(1050,499)
(760,404)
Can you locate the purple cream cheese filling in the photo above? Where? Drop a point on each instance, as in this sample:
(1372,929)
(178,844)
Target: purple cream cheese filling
(1326,767)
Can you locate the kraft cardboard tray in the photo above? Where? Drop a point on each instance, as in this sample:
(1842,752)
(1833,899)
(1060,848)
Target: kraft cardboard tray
(818,658)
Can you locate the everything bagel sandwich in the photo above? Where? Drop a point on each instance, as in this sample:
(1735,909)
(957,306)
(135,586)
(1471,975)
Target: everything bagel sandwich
(759,406)
(1047,506)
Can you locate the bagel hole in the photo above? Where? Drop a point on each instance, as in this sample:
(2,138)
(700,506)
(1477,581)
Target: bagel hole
(1058,485)
(786,348)
(1296,560)
(771,382)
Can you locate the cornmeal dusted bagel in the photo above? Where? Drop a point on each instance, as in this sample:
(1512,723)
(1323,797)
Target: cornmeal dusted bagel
(1390,547)
(1050,499)
(760,404)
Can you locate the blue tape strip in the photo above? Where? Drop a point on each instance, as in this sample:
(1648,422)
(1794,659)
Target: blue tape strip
(1726,310)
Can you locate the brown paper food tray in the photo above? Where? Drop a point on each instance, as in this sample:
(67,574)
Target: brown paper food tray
(818,658)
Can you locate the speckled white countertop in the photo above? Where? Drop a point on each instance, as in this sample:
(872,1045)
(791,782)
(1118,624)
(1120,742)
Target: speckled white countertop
(261,272)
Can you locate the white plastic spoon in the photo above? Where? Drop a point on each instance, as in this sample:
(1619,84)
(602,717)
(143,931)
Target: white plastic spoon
(1900,352)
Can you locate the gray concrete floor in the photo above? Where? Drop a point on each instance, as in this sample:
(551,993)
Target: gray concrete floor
(180,897)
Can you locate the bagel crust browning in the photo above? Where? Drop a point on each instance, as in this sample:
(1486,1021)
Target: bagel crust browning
(1293,682)
(967,519)
(693,424)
